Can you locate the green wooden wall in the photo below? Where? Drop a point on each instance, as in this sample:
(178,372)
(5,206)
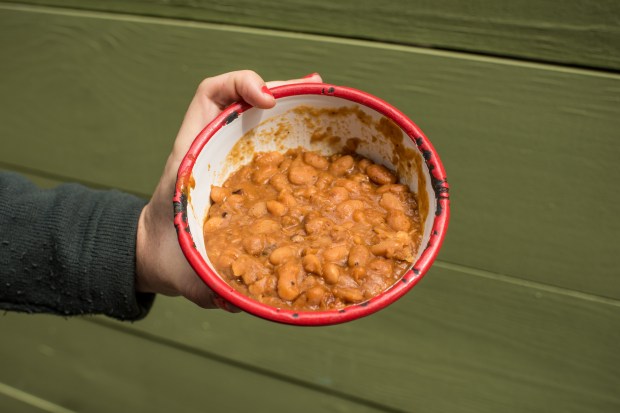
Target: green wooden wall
(521,313)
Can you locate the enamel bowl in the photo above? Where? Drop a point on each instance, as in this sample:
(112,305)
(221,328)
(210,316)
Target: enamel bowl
(318,117)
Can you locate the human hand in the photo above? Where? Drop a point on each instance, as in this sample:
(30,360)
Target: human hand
(161,266)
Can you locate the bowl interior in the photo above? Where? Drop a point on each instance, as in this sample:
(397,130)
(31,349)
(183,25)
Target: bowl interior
(315,122)
(322,118)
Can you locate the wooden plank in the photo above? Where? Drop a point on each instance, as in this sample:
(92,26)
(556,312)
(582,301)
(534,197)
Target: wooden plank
(531,150)
(457,342)
(13,405)
(580,32)
(88,368)
(471,341)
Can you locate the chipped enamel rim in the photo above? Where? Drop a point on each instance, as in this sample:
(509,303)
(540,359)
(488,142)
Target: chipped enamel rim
(315,318)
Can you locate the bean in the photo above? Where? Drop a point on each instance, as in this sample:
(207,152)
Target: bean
(269,158)
(301,174)
(331,273)
(317,225)
(349,185)
(315,295)
(380,175)
(311,264)
(264,226)
(281,255)
(263,286)
(239,267)
(391,201)
(363,164)
(288,283)
(338,194)
(276,208)
(286,163)
(381,266)
(263,174)
(358,256)
(306,191)
(358,273)
(374,217)
(227,257)
(219,194)
(385,248)
(342,165)
(398,188)
(395,188)
(350,295)
(339,234)
(324,180)
(279,181)
(253,244)
(336,254)
(289,221)
(235,200)
(287,199)
(346,208)
(359,216)
(258,209)
(316,160)
(213,224)
(398,220)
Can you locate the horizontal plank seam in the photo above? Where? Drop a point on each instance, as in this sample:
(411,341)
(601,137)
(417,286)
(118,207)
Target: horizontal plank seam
(32,400)
(63,178)
(167,21)
(126,328)
(511,279)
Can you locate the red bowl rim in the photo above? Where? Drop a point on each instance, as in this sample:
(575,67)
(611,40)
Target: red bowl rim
(315,318)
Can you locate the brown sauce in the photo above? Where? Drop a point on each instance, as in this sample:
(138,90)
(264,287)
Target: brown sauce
(302,231)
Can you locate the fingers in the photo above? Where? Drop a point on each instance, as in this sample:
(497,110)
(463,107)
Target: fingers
(245,85)
(200,294)
(216,93)
(225,305)
(235,86)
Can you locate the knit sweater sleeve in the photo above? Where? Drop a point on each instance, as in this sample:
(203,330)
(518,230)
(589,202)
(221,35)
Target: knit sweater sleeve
(69,250)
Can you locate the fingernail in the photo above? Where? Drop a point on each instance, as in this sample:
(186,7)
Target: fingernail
(310,75)
(266,91)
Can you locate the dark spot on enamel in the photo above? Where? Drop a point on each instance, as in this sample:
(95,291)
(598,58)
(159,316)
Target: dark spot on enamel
(181,207)
(231,117)
(439,209)
(295,315)
(416,271)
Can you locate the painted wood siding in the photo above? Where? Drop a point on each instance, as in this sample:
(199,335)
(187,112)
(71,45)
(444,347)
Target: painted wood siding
(579,32)
(521,313)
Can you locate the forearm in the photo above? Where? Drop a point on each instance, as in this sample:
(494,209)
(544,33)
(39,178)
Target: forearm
(69,250)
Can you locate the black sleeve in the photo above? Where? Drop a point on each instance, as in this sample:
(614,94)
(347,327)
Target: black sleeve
(68,250)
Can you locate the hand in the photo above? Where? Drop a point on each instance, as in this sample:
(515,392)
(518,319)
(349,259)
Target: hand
(161,267)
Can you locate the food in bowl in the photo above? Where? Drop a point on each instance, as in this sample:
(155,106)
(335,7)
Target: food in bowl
(308,232)
(319,118)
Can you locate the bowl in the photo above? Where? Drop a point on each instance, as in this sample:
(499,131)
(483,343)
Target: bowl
(318,117)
